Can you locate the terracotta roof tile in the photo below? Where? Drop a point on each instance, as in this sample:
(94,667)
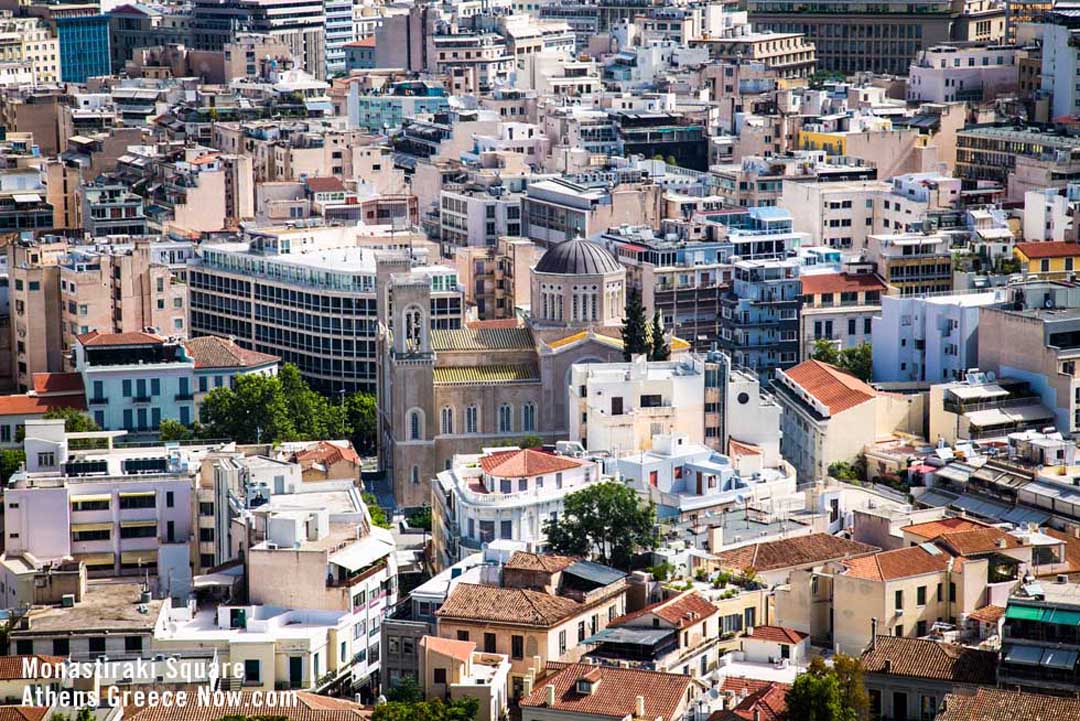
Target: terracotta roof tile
(97,339)
(211,351)
(475,602)
(547,562)
(901,563)
(791,552)
(308,707)
(526,462)
(1072,548)
(777,634)
(817,283)
(328,184)
(988,614)
(764,700)
(23,713)
(499,323)
(449,647)
(327,453)
(362,43)
(933,529)
(991,704)
(615,696)
(738,448)
(922,658)
(1049,249)
(680,611)
(27,405)
(831,386)
(11,667)
(977,540)
(57,383)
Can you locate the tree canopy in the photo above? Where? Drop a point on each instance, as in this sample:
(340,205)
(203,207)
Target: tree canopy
(462,709)
(75,421)
(272,409)
(857,361)
(659,349)
(827,693)
(634,332)
(606,521)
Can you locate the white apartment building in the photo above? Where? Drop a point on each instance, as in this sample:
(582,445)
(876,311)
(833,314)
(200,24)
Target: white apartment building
(121,512)
(501,494)
(477,216)
(692,478)
(29,52)
(475,62)
(1060,57)
(928,338)
(957,73)
(621,407)
(1048,213)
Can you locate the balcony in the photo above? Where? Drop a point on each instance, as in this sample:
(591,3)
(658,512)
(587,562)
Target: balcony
(98,401)
(189,396)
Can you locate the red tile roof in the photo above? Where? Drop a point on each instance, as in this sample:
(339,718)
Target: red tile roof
(327,184)
(211,351)
(1049,249)
(449,647)
(901,563)
(478,603)
(23,713)
(57,383)
(778,634)
(738,448)
(1072,548)
(11,667)
(764,701)
(327,453)
(362,43)
(27,405)
(818,283)
(815,548)
(922,658)
(307,707)
(977,540)
(615,696)
(547,562)
(988,614)
(501,323)
(991,704)
(97,338)
(933,529)
(526,462)
(837,390)
(680,611)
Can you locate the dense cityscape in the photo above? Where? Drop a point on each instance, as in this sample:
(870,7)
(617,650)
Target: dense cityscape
(539,360)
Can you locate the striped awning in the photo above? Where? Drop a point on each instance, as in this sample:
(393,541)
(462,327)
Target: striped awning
(138,524)
(92,499)
(486,374)
(95,559)
(144,557)
(79,527)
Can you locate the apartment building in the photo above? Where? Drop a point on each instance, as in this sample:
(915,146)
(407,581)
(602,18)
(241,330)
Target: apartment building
(1040,647)
(839,308)
(499,494)
(557,210)
(998,153)
(621,407)
(582,691)
(787,53)
(961,72)
(1048,260)
(496,279)
(455,669)
(914,263)
(759,319)
(474,62)
(274,293)
(477,216)
(112,209)
(29,51)
(545,606)
(829,416)
(36,331)
(120,512)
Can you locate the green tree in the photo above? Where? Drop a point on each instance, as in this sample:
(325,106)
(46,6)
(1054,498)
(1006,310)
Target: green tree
(11,459)
(421,518)
(462,709)
(362,417)
(407,691)
(252,411)
(634,333)
(826,352)
(606,521)
(672,161)
(843,471)
(173,430)
(815,697)
(74,420)
(378,515)
(659,350)
(849,675)
(858,361)
(531,441)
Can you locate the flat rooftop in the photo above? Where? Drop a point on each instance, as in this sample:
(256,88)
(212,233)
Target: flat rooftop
(105,607)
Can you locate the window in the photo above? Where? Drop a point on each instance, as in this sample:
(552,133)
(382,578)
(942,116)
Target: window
(446,420)
(133,644)
(952,592)
(517,647)
(528,417)
(61,647)
(439,676)
(898,603)
(46,459)
(471,417)
(489,643)
(416,425)
(562,644)
(899,630)
(169,499)
(505,418)
(506,529)
(97,646)
(252,669)
(920,596)
(580,631)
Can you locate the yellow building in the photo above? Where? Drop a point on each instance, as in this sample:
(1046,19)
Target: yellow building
(1047,259)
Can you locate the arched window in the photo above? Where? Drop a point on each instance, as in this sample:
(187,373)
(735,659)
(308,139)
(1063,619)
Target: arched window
(472,418)
(446,420)
(506,418)
(528,417)
(414,474)
(416,425)
(414,319)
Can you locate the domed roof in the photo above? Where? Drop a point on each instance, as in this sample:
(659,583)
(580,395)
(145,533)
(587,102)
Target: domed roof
(578,257)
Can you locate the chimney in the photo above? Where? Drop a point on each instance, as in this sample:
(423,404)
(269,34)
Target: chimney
(757,714)
(549,693)
(888,665)
(639,707)
(527,684)
(537,665)
(1001,543)
(873,634)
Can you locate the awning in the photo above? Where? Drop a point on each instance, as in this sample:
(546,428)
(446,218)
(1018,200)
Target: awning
(92,499)
(1061,617)
(1024,655)
(26,198)
(145,558)
(1059,658)
(95,559)
(138,524)
(79,527)
(360,554)
(137,494)
(989,417)
(1025,613)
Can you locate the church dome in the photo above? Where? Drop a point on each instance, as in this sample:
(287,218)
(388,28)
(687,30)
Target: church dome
(578,257)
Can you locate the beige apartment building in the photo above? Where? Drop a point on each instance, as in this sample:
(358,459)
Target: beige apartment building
(496,280)
(29,52)
(58,292)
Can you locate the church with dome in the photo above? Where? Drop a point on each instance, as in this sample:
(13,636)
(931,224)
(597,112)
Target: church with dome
(447,392)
